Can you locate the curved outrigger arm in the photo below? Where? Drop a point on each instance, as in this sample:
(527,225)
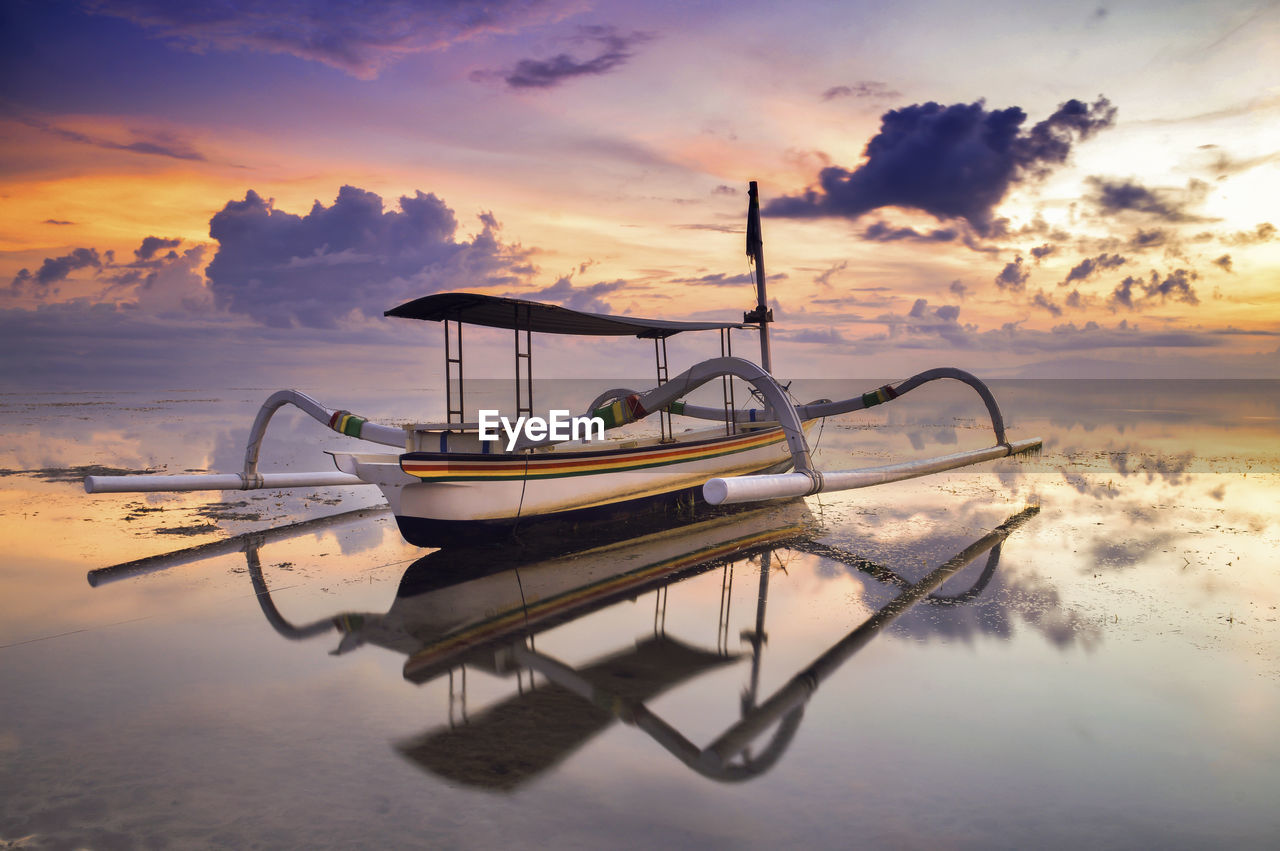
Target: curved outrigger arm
(343,422)
(640,405)
(603,404)
(624,407)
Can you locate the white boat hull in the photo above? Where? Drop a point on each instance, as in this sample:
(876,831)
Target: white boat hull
(444,497)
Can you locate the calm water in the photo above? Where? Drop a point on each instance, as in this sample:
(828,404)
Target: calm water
(1099,666)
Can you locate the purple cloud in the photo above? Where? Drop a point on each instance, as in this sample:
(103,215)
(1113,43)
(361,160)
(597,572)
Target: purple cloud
(1013,277)
(1090,266)
(612,51)
(588,299)
(54,270)
(359,39)
(952,162)
(861,89)
(283,269)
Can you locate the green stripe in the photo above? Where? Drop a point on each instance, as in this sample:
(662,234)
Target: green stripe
(352,424)
(595,472)
(612,415)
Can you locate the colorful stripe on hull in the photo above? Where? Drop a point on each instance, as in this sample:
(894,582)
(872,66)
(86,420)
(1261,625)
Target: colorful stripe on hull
(453,466)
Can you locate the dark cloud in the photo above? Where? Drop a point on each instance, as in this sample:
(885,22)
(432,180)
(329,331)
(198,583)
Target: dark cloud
(1074,300)
(1145,239)
(1118,196)
(1090,266)
(54,270)
(150,142)
(152,244)
(861,89)
(1220,164)
(883,232)
(1045,302)
(924,328)
(1264,232)
(720,279)
(283,269)
(724,189)
(168,286)
(1013,277)
(823,336)
(921,310)
(925,321)
(717,279)
(588,299)
(716,228)
(1224,262)
(359,39)
(56,222)
(952,162)
(1122,296)
(958,289)
(612,50)
(1042,251)
(824,279)
(1176,285)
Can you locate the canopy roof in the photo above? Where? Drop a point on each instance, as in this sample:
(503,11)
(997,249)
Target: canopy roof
(496,312)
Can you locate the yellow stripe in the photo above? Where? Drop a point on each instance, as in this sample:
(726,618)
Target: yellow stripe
(520,467)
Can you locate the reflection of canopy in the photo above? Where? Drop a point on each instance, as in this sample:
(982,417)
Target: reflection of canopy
(525,735)
(521,315)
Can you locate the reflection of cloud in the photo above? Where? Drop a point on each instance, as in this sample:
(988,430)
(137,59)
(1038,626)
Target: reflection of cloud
(1169,468)
(1127,553)
(1082,485)
(1007,597)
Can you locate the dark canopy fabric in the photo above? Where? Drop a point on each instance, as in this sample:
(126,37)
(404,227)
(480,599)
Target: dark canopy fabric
(496,312)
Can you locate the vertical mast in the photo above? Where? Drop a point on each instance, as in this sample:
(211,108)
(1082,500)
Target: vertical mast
(755,250)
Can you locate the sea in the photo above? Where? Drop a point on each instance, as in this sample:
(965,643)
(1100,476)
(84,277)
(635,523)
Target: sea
(1076,649)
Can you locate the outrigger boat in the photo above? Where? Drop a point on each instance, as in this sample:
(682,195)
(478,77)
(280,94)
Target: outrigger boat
(445,484)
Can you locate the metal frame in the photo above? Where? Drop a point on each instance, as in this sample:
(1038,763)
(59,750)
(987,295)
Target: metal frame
(524,401)
(452,414)
(664,415)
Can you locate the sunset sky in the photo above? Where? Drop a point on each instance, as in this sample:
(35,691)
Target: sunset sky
(235,192)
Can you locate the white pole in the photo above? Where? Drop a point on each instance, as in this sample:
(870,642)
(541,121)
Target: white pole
(217,482)
(757,488)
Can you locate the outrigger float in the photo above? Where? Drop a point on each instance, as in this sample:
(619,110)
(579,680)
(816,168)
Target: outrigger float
(446,485)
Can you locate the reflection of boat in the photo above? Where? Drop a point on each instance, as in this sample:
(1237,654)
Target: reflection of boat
(457,610)
(448,481)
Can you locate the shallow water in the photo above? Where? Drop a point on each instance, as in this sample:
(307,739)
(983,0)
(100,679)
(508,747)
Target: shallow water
(1108,675)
